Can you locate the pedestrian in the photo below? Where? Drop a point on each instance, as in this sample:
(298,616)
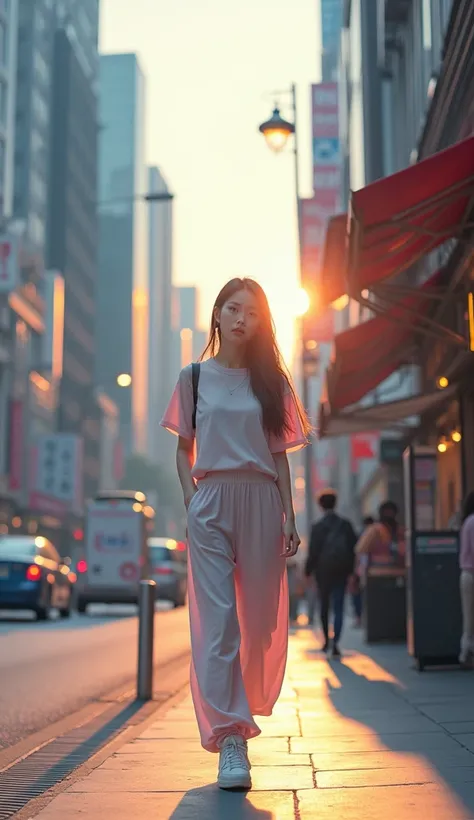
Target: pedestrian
(294,589)
(240,409)
(466,563)
(382,543)
(355,582)
(331,561)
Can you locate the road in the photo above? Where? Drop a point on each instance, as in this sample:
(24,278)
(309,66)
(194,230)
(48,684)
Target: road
(48,671)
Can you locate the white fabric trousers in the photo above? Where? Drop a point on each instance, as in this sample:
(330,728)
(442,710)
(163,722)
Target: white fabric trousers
(467,603)
(238,603)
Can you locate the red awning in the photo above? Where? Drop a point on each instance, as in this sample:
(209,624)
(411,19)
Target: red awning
(400,218)
(334,264)
(367,354)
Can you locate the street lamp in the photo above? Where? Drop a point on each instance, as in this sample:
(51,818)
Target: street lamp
(277,131)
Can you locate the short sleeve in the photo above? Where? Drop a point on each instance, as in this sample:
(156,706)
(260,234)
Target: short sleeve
(293,437)
(178,417)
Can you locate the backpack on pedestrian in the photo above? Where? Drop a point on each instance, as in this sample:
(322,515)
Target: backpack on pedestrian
(337,554)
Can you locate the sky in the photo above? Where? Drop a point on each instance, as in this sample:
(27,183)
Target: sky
(211,68)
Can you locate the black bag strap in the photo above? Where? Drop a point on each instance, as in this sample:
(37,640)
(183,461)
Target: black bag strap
(196,372)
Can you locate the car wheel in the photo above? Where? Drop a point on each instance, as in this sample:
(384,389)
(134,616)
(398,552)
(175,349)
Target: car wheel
(81,607)
(42,613)
(65,613)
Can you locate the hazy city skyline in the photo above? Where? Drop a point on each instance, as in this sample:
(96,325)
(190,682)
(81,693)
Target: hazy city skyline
(210,76)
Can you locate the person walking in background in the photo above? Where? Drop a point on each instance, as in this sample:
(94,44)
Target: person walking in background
(466,563)
(355,582)
(240,410)
(381,542)
(331,561)
(294,589)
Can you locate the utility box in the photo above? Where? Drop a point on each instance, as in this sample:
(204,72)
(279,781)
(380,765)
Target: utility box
(434,620)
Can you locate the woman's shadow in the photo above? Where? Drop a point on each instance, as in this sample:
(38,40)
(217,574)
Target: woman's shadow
(211,802)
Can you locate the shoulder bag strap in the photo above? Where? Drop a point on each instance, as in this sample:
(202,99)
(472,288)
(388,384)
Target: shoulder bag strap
(196,371)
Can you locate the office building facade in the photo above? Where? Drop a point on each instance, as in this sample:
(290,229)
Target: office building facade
(72,246)
(122,326)
(160,266)
(8,49)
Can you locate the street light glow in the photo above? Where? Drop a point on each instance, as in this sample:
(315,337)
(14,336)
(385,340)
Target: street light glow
(124,380)
(302,302)
(276,131)
(341,303)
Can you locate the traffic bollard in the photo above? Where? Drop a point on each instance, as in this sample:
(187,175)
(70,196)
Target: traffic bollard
(146,625)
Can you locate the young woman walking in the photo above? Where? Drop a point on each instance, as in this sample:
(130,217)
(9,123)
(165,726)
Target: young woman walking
(244,417)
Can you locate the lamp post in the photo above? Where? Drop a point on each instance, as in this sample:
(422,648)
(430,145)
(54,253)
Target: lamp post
(277,131)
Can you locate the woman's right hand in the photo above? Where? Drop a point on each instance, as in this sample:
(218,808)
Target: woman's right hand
(188,497)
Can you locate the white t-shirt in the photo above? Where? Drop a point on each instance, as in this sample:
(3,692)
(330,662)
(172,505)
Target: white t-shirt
(229,429)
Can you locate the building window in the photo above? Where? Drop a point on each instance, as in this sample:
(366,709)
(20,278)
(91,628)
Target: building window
(3,45)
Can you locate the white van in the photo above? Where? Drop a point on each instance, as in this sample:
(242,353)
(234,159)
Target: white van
(116,551)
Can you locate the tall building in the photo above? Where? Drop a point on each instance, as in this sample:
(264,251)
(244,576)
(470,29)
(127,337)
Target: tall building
(32,127)
(123,290)
(331,25)
(8,49)
(160,266)
(72,246)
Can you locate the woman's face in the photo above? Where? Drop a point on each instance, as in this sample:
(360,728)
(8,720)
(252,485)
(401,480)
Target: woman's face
(239,318)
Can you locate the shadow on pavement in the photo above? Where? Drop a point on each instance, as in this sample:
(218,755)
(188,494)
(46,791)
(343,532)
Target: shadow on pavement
(212,802)
(368,702)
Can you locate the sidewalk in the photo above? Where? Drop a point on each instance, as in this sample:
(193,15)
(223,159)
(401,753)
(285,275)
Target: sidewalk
(363,739)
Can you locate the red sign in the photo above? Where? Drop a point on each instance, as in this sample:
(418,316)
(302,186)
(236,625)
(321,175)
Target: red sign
(326,150)
(363,446)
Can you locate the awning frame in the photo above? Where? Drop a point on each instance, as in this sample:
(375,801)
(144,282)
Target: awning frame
(424,213)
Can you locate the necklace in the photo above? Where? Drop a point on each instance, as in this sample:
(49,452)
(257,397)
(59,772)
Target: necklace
(233,389)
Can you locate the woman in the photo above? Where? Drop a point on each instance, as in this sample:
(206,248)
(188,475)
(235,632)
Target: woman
(355,582)
(241,523)
(466,563)
(382,542)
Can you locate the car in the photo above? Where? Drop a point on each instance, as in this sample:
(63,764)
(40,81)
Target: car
(168,568)
(33,576)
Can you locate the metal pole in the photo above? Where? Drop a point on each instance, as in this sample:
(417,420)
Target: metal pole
(308,451)
(146,624)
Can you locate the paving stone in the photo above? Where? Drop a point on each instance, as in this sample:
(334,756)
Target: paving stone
(389,759)
(393,776)
(380,723)
(460,728)
(449,712)
(139,754)
(372,742)
(398,802)
(199,804)
(174,773)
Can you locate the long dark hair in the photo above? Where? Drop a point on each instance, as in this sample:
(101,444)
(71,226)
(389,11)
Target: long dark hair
(468,506)
(263,360)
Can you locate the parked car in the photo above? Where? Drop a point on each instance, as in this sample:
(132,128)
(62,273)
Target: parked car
(33,576)
(168,568)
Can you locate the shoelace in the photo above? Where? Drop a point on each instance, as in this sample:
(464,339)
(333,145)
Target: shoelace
(234,755)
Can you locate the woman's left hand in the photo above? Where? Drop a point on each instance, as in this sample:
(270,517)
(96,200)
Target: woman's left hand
(292,539)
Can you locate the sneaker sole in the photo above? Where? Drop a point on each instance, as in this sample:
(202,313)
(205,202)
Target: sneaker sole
(235,782)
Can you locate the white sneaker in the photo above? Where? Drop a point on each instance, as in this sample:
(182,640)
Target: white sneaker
(234,765)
